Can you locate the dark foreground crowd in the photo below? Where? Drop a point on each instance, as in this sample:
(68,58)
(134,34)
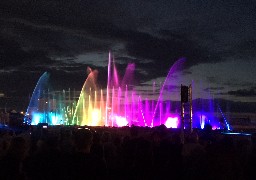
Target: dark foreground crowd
(124,153)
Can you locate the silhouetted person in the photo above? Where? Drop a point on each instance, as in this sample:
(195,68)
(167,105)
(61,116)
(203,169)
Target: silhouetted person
(45,163)
(82,164)
(11,163)
(193,157)
(143,160)
(222,158)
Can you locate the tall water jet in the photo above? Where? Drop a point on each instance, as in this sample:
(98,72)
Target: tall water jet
(117,101)
(108,86)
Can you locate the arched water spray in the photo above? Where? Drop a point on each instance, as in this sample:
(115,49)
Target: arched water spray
(33,106)
(83,108)
(177,66)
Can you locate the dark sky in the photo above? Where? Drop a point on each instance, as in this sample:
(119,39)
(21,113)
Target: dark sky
(216,38)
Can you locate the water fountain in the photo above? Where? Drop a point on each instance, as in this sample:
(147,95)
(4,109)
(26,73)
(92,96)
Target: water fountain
(117,105)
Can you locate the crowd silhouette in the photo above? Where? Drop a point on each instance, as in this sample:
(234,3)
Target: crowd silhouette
(70,152)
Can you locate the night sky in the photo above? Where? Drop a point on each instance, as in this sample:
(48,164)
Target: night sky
(216,39)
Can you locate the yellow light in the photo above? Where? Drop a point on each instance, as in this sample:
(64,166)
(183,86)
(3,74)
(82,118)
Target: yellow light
(95,117)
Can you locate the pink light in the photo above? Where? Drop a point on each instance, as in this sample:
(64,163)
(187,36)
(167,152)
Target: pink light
(172,122)
(215,127)
(115,77)
(121,121)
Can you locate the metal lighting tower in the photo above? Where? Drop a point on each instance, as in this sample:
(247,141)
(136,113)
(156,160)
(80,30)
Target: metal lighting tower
(186,107)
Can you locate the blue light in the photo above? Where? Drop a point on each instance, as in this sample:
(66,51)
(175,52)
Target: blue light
(225,120)
(36,118)
(55,119)
(235,133)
